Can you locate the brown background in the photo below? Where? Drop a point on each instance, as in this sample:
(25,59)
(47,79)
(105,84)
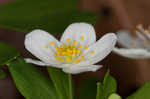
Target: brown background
(114,15)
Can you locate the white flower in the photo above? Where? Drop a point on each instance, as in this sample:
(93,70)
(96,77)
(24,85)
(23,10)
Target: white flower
(135,46)
(76,52)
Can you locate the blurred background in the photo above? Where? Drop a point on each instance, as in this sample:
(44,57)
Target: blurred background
(113,16)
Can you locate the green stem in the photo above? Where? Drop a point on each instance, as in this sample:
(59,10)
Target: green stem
(70,87)
(98,91)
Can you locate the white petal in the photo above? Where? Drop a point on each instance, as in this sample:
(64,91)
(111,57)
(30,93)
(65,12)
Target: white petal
(40,63)
(36,62)
(132,53)
(127,40)
(36,41)
(101,49)
(77,30)
(81,69)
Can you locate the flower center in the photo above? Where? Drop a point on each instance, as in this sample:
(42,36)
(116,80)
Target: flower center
(70,53)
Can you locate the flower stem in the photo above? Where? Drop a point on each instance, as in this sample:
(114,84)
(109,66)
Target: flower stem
(70,87)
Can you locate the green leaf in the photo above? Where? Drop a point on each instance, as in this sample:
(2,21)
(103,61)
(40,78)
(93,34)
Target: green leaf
(104,90)
(7,53)
(87,89)
(31,83)
(99,90)
(60,81)
(2,74)
(114,96)
(109,85)
(142,93)
(51,15)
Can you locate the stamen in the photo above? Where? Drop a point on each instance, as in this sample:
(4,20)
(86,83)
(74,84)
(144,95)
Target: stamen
(51,43)
(80,46)
(55,54)
(62,60)
(68,40)
(69,53)
(46,46)
(86,47)
(92,52)
(82,56)
(77,61)
(82,38)
(68,59)
(75,42)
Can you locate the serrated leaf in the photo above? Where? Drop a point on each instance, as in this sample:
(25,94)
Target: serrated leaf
(31,83)
(87,89)
(60,81)
(142,93)
(7,53)
(51,15)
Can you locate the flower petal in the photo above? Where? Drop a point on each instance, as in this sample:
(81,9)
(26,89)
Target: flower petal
(81,32)
(40,63)
(132,53)
(128,41)
(100,49)
(38,43)
(81,69)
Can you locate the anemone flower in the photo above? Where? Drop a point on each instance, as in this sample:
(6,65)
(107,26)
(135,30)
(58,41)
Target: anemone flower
(135,46)
(76,51)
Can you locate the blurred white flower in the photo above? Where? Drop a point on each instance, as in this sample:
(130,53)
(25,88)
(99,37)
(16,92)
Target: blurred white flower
(135,46)
(76,52)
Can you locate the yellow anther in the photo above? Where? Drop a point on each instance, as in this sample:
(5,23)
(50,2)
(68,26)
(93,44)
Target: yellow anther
(77,61)
(55,54)
(75,42)
(74,51)
(82,55)
(82,38)
(68,40)
(64,53)
(92,52)
(80,46)
(78,51)
(85,47)
(57,48)
(68,59)
(59,53)
(69,51)
(51,43)
(61,60)
(57,58)
(46,46)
